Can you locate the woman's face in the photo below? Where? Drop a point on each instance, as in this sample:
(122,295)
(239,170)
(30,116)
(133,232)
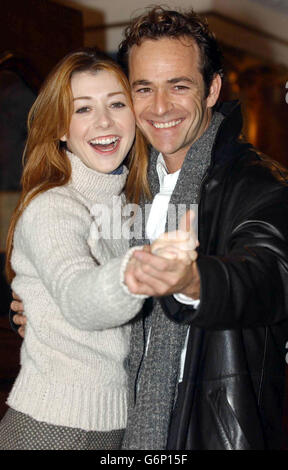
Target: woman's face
(102,127)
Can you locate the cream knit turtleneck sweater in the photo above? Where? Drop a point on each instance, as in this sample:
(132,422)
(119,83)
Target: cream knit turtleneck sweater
(72,359)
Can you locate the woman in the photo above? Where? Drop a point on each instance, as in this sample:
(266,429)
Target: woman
(71,389)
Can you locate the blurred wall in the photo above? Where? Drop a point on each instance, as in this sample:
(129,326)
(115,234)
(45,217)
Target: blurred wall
(104,21)
(34,35)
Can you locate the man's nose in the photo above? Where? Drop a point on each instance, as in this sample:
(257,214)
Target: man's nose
(161,103)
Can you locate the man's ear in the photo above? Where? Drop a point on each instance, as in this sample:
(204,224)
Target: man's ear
(215,88)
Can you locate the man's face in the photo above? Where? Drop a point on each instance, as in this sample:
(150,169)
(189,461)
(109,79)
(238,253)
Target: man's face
(168,95)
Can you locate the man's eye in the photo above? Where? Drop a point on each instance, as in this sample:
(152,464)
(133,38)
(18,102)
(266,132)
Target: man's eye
(83,109)
(118,104)
(143,90)
(181,87)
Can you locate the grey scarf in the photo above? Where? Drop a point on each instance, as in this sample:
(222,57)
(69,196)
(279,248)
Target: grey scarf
(153,376)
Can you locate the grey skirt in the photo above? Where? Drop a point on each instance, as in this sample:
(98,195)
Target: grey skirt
(19,431)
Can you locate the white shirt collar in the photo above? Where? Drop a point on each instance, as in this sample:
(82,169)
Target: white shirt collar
(166,180)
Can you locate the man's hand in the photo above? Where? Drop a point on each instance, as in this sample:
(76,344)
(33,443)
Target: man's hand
(181,243)
(19,319)
(171,269)
(154,275)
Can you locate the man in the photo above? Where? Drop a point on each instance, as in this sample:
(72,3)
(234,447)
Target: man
(217,325)
(232,390)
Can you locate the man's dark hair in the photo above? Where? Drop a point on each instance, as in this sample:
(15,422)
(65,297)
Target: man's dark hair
(160,23)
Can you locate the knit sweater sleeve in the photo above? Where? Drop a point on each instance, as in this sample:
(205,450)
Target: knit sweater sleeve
(52,234)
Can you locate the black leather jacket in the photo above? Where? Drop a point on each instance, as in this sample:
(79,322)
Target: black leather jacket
(232,392)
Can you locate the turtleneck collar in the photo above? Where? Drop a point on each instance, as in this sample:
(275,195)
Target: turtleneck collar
(92,184)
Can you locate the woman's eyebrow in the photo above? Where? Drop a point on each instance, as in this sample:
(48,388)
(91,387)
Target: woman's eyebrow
(82,98)
(113,93)
(116,93)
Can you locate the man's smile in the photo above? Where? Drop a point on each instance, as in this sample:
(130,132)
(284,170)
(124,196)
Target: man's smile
(166,125)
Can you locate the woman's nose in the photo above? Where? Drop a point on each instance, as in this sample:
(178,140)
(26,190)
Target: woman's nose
(103,119)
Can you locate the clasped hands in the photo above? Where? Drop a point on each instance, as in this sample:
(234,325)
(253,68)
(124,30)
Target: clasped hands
(168,266)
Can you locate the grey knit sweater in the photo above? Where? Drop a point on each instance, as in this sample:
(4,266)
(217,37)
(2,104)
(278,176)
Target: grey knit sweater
(72,359)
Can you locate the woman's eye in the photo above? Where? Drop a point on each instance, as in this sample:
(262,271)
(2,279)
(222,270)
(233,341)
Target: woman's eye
(118,104)
(84,109)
